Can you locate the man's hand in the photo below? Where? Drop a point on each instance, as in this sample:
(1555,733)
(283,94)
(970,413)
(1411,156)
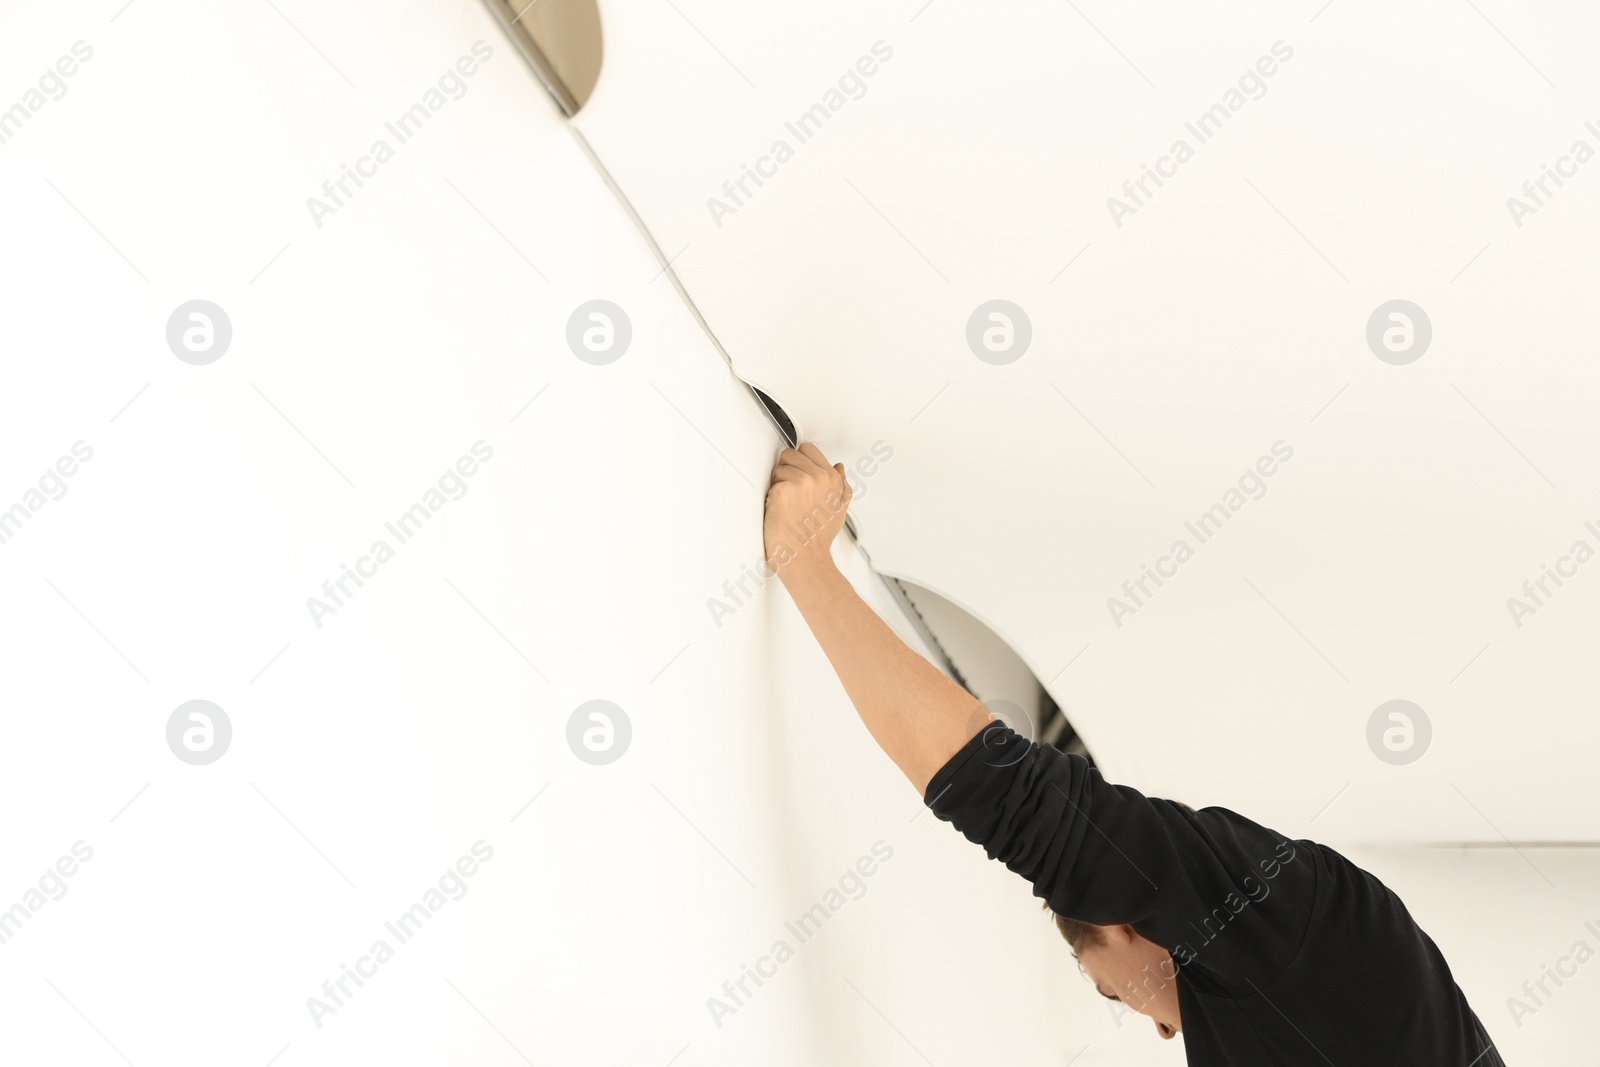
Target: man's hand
(917,715)
(806,505)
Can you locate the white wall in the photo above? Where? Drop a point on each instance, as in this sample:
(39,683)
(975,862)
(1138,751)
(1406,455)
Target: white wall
(430,711)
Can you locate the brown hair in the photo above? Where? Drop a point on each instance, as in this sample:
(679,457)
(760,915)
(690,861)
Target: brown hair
(1080,935)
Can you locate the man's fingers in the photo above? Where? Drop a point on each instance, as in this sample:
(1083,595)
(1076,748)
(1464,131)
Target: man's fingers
(793,457)
(788,473)
(785,461)
(807,461)
(801,461)
(814,454)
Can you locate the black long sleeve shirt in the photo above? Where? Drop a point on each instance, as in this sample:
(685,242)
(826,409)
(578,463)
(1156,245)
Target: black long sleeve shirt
(1286,953)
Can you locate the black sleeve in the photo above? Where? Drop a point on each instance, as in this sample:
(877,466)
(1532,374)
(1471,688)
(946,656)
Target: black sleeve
(1208,885)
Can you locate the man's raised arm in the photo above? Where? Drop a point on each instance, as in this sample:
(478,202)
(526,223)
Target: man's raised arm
(917,715)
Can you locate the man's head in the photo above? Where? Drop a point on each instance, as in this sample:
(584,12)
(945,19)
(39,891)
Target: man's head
(1124,966)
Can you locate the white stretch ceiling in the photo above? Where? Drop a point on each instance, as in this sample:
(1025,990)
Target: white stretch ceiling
(1355,155)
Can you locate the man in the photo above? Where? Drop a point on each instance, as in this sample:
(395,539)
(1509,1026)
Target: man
(1259,950)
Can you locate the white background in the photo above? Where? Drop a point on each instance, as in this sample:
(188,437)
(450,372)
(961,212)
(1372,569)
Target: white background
(430,712)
